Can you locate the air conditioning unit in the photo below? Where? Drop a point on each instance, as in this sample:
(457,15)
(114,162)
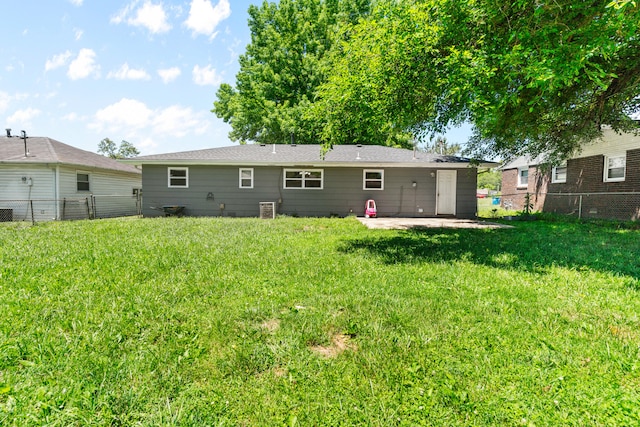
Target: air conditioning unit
(267,210)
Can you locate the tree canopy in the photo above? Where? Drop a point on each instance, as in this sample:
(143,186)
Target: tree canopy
(283,65)
(531,77)
(108,148)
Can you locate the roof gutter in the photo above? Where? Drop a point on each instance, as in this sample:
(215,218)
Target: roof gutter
(320,164)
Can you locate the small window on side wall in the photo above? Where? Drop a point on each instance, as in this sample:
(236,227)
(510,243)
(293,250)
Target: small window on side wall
(246,178)
(559,174)
(615,168)
(373,179)
(82,180)
(178,177)
(523,177)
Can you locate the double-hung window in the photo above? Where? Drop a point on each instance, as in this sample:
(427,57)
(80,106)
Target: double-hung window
(559,174)
(82,181)
(523,177)
(246,178)
(178,177)
(373,179)
(615,168)
(303,179)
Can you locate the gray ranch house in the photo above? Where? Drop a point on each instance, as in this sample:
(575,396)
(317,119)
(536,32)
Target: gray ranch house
(249,180)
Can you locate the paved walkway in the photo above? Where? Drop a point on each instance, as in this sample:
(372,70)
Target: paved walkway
(406,223)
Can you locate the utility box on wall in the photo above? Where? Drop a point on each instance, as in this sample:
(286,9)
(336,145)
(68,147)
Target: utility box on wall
(6,215)
(267,210)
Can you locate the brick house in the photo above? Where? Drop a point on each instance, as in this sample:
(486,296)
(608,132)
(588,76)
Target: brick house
(602,181)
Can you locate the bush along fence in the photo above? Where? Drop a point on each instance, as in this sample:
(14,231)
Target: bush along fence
(613,205)
(70,208)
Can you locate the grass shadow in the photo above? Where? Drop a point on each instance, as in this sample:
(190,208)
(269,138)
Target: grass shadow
(530,246)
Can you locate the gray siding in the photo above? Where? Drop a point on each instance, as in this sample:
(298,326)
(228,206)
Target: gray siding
(467,204)
(342,194)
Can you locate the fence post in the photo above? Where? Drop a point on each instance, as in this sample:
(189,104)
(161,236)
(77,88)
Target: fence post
(580,208)
(88,209)
(139,203)
(33,220)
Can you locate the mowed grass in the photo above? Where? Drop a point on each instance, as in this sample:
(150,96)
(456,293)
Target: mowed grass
(224,322)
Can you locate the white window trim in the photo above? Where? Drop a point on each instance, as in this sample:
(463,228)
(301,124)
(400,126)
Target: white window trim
(365,180)
(554,179)
(78,172)
(519,184)
(284,179)
(240,178)
(605,177)
(169,169)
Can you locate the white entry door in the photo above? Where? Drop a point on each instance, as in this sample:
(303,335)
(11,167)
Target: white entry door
(446,192)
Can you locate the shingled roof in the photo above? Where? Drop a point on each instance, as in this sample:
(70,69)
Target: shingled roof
(43,150)
(289,155)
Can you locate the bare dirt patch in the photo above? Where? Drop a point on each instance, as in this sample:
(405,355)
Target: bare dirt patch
(339,344)
(270,325)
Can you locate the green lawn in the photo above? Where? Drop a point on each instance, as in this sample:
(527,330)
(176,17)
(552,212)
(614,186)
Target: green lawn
(183,321)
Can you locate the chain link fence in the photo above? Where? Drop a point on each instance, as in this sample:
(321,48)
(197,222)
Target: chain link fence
(70,208)
(620,206)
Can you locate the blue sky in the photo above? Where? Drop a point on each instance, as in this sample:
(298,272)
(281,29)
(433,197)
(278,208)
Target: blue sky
(145,71)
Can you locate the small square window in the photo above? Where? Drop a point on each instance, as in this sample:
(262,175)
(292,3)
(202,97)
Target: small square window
(246,178)
(178,177)
(559,174)
(82,180)
(373,179)
(615,168)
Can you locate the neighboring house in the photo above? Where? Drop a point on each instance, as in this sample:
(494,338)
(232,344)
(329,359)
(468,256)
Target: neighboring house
(296,180)
(602,181)
(51,180)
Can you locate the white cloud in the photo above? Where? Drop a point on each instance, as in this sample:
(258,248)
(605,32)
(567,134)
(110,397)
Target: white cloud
(169,74)
(77,33)
(141,123)
(150,16)
(126,113)
(84,65)
(57,61)
(126,73)
(4,101)
(204,18)
(178,121)
(71,117)
(76,2)
(121,16)
(23,117)
(206,76)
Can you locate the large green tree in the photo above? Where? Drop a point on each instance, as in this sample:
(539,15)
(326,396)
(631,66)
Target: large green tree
(283,65)
(531,76)
(108,148)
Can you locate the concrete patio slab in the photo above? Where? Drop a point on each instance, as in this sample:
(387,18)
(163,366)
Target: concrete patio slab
(407,223)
